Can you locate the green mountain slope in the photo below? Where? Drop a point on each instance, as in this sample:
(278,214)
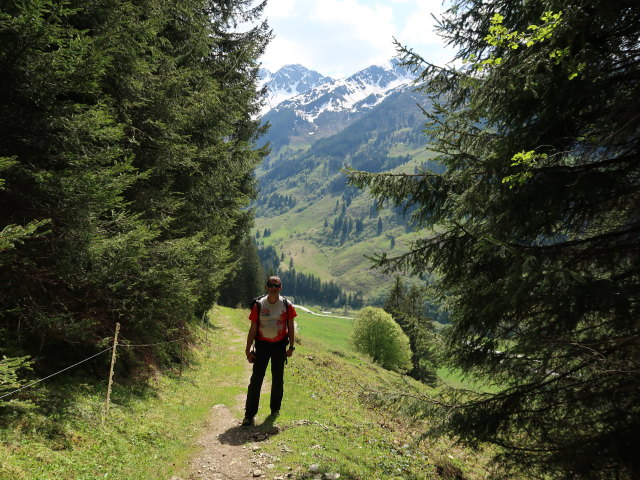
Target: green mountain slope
(322,226)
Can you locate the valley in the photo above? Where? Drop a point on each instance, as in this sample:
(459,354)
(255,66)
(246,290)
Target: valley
(317,223)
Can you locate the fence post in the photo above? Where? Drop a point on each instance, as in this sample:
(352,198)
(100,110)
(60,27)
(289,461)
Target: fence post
(205,324)
(113,362)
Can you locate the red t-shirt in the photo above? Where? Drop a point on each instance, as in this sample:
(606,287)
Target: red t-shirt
(272,319)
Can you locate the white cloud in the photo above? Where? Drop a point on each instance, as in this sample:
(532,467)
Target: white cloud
(370,23)
(420,26)
(340,37)
(363,31)
(281,8)
(283,50)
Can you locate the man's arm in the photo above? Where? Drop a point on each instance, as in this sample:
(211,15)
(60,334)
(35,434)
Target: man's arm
(250,338)
(292,335)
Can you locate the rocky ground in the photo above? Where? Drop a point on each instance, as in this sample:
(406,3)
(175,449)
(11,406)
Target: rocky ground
(230,451)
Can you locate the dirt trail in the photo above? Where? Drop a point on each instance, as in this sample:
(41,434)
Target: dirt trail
(229,450)
(226,449)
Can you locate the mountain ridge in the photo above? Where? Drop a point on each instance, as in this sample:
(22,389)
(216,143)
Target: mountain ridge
(297,86)
(326,108)
(287,82)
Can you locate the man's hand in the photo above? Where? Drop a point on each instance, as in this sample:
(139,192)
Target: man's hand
(290,351)
(251,357)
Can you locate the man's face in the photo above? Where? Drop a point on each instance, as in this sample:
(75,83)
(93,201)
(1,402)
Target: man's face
(274,285)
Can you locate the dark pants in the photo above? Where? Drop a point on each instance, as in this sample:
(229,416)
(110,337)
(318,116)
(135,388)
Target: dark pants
(265,351)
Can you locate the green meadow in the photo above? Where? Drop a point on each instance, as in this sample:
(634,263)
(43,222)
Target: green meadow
(329,422)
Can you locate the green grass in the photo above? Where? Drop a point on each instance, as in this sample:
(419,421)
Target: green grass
(455,378)
(151,431)
(332,333)
(327,421)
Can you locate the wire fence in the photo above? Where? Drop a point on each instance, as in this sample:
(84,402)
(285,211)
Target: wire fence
(54,374)
(122,345)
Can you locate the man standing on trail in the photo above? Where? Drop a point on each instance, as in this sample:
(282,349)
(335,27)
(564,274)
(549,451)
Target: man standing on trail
(272,328)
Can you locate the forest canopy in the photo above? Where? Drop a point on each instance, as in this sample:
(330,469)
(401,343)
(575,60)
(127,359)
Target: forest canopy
(128,140)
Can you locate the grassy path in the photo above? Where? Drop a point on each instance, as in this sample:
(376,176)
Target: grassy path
(328,427)
(151,432)
(226,449)
(187,426)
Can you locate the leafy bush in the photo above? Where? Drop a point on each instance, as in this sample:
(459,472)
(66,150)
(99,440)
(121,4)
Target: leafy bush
(375,333)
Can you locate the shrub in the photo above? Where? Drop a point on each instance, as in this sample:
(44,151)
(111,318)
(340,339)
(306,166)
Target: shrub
(376,334)
(9,380)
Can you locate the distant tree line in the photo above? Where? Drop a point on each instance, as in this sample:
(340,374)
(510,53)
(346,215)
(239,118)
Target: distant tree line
(307,288)
(344,226)
(127,149)
(275,203)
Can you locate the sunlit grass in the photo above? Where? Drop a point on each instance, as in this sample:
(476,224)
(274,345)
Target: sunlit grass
(148,431)
(333,333)
(326,419)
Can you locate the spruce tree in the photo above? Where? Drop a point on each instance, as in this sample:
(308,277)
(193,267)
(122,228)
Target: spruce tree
(128,138)
(406,306)
(537,229)
(68,172)
(248,276)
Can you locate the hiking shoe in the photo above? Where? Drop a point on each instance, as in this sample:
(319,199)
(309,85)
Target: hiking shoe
(248,422)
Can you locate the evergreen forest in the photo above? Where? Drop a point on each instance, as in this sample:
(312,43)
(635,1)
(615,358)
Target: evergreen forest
(128,141)
(306,288)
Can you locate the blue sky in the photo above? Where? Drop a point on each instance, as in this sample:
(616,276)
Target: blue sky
(340,37)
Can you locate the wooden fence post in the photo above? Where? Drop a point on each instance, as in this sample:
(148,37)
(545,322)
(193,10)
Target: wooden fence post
(205,324)
(113,362)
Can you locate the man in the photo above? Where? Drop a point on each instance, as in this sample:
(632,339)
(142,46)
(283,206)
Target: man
(272,328)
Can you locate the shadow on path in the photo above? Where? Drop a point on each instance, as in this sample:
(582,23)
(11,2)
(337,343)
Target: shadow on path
(240,435)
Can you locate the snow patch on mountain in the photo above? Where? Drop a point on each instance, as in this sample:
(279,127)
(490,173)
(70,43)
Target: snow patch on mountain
(289,81)
(362,90)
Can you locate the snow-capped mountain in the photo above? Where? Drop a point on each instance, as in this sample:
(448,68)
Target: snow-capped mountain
(289,81)
(362,90)
(371,121)
(330,106)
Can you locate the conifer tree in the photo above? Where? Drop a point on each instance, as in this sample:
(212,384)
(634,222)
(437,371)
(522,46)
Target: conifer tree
(248,276)
(406,306)
(67,170)
(536,250)
(130,130)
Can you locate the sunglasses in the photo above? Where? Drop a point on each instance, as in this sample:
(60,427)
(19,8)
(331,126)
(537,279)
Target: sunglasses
(274,285)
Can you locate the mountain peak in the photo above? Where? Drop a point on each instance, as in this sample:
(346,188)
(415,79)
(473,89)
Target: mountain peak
(361,91)
(289,81)
(381,77)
